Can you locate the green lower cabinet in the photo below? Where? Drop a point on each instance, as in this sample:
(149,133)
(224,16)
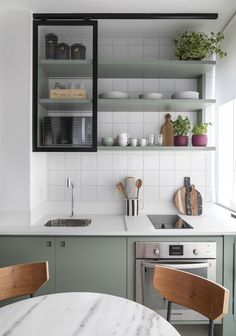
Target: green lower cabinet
(91,264)
(229,323)
(19,250)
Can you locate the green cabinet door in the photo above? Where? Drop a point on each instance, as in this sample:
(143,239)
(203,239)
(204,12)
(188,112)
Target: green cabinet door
(91,264)
(229,322)
(19,250)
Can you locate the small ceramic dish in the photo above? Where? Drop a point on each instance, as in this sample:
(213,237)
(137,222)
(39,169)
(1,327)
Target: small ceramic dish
(108,141)
(150,95)
(186,95)
(114,95)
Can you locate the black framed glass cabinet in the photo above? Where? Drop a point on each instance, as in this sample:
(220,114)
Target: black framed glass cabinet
(64,85)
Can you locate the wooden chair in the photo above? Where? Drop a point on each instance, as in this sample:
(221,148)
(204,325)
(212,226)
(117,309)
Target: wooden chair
(22,279)
(192,291)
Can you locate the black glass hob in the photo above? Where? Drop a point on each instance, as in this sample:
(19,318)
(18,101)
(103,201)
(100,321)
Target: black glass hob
(168,222)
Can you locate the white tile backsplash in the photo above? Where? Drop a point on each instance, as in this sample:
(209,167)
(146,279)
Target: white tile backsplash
(162,174)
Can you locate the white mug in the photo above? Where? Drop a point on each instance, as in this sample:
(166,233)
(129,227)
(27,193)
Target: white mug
(134,142)
(143,142)
(123,139)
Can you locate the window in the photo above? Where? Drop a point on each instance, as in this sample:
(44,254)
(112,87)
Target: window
(226,194)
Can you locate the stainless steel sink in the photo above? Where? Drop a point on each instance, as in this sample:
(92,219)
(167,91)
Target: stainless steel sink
(72,222)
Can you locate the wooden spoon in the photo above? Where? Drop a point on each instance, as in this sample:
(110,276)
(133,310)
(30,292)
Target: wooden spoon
(139,184)
(121,188)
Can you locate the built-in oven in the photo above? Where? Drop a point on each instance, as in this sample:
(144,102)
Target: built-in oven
(195,257)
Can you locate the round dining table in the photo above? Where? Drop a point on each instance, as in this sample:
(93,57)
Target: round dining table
(84,314)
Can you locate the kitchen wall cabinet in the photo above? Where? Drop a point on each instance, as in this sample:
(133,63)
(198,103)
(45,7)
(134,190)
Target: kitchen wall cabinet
(93,264)
(64,85)
(19,250)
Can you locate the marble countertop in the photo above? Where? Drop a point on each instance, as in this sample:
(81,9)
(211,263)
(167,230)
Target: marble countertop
(214,221)
(84,314)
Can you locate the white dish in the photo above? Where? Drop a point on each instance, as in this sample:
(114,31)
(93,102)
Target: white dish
(150,95)
(114,95)
(186,95)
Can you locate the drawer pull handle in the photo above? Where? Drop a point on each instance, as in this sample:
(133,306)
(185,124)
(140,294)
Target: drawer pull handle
(62,244)
(48,243)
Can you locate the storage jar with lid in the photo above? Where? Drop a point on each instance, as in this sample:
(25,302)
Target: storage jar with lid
(62,51)
(78,51)
(50,45)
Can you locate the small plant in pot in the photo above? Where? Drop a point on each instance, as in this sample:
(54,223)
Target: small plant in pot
(182,127)
(197,45)
(199,134)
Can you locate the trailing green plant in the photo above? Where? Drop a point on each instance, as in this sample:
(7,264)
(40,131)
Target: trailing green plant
(182,126)
(198,45)
(201,129)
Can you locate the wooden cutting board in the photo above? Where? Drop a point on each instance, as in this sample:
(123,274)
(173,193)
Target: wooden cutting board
(167,131)
(193,201)
(188,200)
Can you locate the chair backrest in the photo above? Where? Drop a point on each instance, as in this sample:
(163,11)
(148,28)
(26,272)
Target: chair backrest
(22,279)
(192,291)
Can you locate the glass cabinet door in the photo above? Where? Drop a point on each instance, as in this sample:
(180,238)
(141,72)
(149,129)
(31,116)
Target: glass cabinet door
(65,85)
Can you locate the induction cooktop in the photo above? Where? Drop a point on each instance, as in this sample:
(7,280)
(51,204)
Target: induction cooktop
(168,222)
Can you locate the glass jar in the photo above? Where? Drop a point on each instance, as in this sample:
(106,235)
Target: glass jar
(50,45)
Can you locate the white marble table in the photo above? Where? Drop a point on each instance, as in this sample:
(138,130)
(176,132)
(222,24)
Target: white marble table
(83,314)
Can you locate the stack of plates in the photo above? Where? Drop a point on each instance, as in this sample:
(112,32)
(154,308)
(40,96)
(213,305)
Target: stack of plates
(114,94)
(151,95)
(186,95)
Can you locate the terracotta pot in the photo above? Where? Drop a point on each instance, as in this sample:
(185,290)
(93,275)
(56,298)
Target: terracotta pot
(181,140)
(199,140)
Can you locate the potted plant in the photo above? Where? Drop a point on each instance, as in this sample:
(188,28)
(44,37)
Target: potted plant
(182,127)
(199,134)
(197,45)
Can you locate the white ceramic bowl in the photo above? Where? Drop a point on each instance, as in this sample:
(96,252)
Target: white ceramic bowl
(186,95)
(114,95)
(151,95)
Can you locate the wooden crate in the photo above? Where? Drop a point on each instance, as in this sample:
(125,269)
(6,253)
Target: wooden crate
(68,94)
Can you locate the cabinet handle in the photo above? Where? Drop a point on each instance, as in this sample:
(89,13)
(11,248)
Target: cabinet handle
(48,243)
(62,244)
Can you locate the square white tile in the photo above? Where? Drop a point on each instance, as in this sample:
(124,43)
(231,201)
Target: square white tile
(167,178)
(166,193)
(88,194)
(104,178)
(56,161)
(119,162)
(72,161)
(88,178)
(88,161)
(151,177)
(135,117)
(151,162)
(104,161)
(150,194)
(182,162)
(56,193)
(167,162)
(135,162)
(57,178)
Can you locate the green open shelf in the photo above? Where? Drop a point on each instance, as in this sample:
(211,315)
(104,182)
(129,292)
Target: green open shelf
(153,69)
(67,68)
(177,105)
(155,148)
(65,104)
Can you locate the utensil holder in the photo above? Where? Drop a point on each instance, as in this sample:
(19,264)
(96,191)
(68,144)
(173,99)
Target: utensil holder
(133,206)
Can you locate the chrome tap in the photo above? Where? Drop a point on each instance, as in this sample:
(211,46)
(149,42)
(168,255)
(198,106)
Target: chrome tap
(71,185)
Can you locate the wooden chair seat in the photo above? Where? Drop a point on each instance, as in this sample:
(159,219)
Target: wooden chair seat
(194,292)
(22,279)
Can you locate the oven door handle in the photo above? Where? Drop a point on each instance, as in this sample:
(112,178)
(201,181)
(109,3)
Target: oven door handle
(178,266)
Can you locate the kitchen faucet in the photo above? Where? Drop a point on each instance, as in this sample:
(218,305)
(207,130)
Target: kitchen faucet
(71,185)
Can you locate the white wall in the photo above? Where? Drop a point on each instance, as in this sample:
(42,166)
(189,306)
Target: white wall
(15,109)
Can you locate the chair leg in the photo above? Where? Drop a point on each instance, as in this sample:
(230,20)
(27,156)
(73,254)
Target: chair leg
(211,328)
(169,311)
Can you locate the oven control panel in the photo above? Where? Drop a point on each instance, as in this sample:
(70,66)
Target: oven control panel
(205,250)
